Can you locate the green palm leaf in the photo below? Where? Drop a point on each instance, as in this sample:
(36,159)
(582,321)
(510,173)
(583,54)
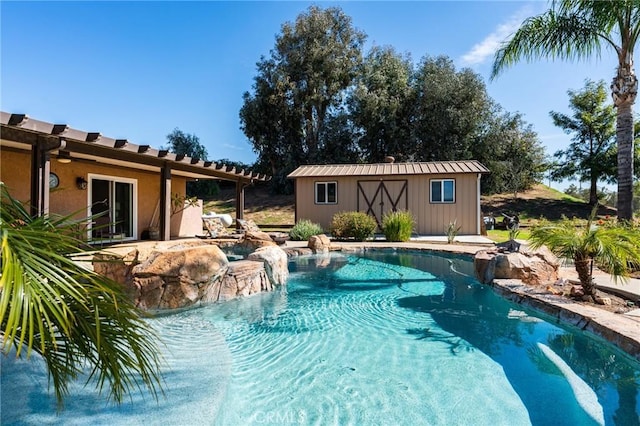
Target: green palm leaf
(614,248)
(68,315)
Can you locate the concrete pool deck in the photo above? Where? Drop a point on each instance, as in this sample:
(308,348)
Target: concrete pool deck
(621,330)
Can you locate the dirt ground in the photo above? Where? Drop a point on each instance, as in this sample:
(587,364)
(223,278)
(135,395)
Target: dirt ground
(619,305)
(261,206)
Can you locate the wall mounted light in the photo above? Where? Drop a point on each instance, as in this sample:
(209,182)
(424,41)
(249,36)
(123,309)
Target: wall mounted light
(81,183)
(64,157)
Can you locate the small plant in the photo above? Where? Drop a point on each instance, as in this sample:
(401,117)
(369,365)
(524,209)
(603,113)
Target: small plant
(304,229)
(356,225)
(398,225)
(514,231)
(182,202)
(452,230)
(178,204)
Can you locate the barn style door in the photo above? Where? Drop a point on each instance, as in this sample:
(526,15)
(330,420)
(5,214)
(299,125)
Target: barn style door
(378,197)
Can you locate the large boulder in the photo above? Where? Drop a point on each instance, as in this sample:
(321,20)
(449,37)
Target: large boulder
(275,263)
(169,275)
(244,278)
(179,277)
(484,265)
(118,268)
(534,267)
(319,243)
(253,240)
(297,251)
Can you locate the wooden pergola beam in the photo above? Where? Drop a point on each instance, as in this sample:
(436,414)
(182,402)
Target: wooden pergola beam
(45,137)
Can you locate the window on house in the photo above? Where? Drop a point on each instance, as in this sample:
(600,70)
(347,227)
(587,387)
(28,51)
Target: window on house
(326,192)
(113,199)
(443,191)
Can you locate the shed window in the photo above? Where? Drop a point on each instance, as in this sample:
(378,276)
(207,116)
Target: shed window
(443,191)
(326,192)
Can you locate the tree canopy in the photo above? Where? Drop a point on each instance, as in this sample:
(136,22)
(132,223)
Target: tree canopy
(319,99)
(591,156)
(300,87)
(451,108)
(511,150)
(381,105)
(186,144)
(189,144)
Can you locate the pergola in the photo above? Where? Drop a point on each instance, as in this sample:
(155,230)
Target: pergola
(45,140)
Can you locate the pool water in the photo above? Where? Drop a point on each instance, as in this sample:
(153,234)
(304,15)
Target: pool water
(386,338)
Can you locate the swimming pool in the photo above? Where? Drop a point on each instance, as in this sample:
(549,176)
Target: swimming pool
(382,338)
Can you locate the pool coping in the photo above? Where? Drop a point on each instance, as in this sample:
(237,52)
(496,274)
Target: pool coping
(617,329)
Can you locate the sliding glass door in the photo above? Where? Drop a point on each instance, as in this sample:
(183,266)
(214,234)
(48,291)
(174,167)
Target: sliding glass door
(112,203)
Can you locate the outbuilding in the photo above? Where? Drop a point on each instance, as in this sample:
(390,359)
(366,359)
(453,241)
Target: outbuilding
(436,193)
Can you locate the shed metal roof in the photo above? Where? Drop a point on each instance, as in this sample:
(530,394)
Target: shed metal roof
(389,169)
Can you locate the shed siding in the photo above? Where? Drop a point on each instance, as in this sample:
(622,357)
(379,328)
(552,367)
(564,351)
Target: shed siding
(431,218)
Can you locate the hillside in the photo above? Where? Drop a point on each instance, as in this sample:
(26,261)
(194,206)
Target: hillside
(540,201)
(260,205)
(268,209)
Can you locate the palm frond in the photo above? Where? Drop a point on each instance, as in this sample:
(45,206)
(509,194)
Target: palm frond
(618,249)
(572,29)
(67,314)
(614,248)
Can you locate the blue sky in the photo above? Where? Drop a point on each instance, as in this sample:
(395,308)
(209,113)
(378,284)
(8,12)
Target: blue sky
(137,70)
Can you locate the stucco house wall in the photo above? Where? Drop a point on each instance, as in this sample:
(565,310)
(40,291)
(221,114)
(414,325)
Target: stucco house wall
(67,198)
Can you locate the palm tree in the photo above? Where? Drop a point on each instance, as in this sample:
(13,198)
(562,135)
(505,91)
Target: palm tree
(72,317)
(578,29)
(614,248)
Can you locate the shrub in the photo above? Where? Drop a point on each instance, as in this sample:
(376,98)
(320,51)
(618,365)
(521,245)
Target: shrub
(304,229)
(398,226)
(356,225)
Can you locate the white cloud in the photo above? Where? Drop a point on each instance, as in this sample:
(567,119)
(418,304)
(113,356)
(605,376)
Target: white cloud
(237,148)
(488,47)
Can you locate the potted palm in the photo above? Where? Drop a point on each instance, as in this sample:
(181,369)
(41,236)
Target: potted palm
(615,248)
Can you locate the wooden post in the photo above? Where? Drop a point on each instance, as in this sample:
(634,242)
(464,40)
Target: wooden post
(40,169)
(165,203)
(239,202)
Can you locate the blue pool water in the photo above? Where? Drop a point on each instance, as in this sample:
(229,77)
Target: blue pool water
(386,338)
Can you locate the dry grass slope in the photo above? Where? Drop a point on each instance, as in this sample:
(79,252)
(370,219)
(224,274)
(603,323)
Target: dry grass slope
(540,201)
(260,206)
